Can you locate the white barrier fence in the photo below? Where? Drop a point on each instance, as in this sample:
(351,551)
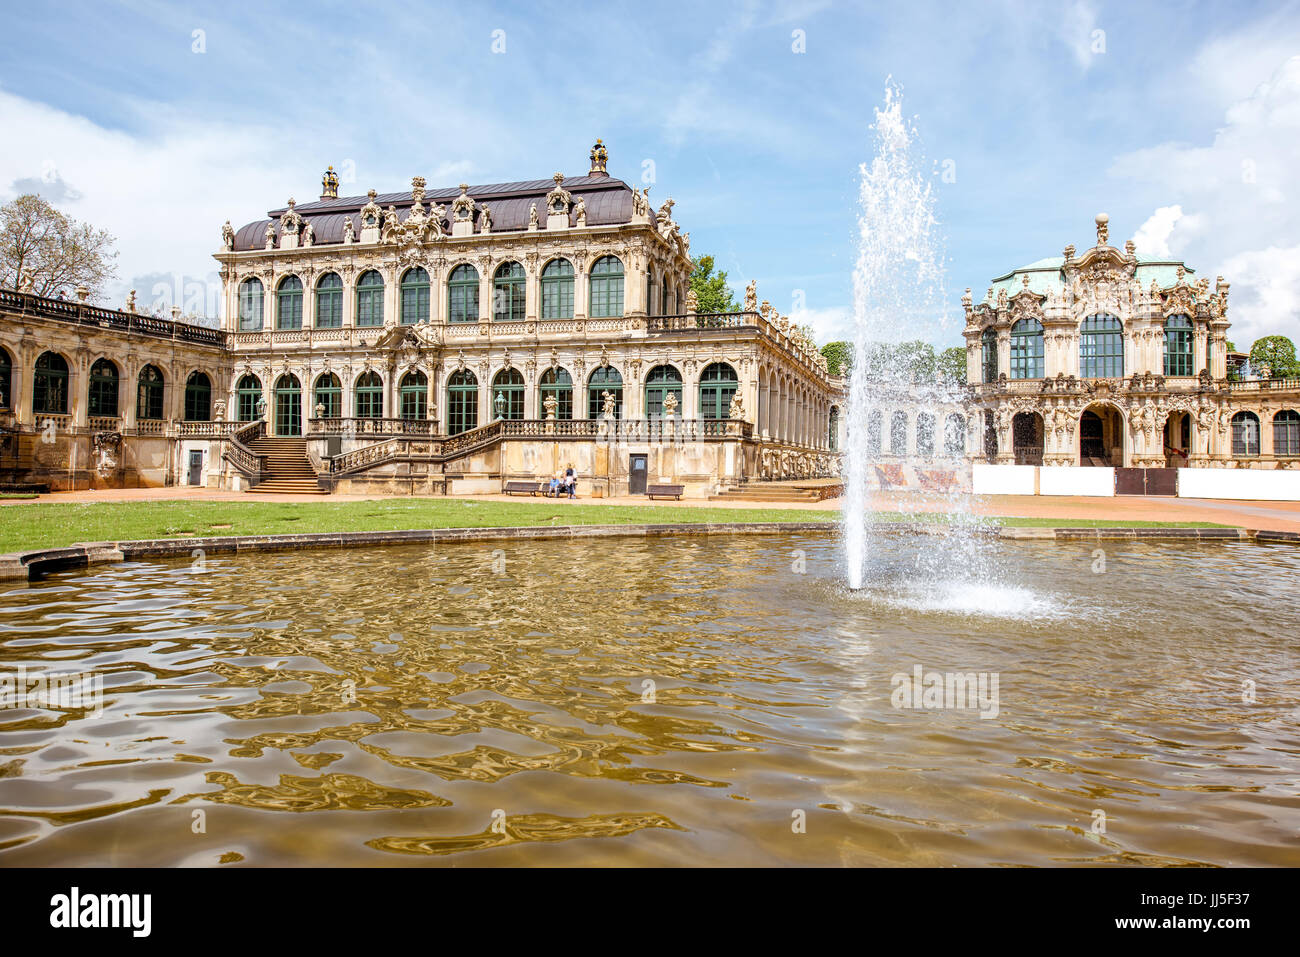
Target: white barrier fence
(1246,484)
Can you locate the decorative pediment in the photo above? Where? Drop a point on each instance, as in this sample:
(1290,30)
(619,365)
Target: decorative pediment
(370,212)
(557,200)
(462,207)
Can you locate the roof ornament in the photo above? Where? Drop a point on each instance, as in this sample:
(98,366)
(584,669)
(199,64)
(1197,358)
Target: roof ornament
(1069,252)
(1130,248)
(599,156)
(557,200)
(370,212)
(1103,229)
(329,184)
(462,207)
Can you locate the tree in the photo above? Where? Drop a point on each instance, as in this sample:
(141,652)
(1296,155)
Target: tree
(46,252)
(952,365)
(1278,354)
(839,357)
(712,294)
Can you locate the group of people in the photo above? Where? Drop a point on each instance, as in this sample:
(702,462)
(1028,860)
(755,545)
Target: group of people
(563,481)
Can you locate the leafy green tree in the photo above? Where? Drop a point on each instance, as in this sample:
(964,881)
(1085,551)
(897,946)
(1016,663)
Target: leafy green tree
(1278,354)
(45,252)
(952,365)
(839,357)
(712,294)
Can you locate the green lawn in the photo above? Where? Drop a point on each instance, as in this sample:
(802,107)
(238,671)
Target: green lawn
(46,524)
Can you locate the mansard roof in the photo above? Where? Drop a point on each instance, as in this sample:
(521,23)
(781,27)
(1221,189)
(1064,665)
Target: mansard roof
(608,201)
(1047,274)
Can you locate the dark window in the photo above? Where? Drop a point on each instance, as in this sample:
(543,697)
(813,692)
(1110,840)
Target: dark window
(989,355)
(329,397)
(103,389)
(659,382)
(604,379)
(718,384)
(1245,434)
(414,393)
(508,395)
(198,398)
(508,288)
(1178,346)
(1027,349)
(1286,433)
(248,395)
(462,402)
(149,401)
(559,383)
(370,396)
(250,305)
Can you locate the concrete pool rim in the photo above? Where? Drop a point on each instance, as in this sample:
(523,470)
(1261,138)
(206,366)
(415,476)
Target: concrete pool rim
(34,564)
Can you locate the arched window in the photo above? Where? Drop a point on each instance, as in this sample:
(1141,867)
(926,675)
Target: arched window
(663,297)
(718,384)
(557,290)
(50,385)
(198,398)
(1178,346)
(370,299)
(103,391)
(558,382)
(6,380)
(250,305)
(149,396)
(328,403)
(508,395)
(898,433)
(329,301)
(1027,349)
(989,355)
(833,430)
(606,288)
(954,435)
(462,402)
(873,432)
(508,293)
(659,382)
(604,379)
(288,303)
(248,396)
(370,396)
(462,294)
(414,392)
(1101,348)
(288,405)
(925,433)
(415,297)
(1286,432)
(1245,434)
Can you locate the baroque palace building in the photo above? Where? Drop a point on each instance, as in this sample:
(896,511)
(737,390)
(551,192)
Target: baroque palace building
(447,340)
(1105,358)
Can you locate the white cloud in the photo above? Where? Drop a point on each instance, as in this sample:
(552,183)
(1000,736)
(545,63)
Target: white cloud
(829,324)
(1231,204)
(1077,25)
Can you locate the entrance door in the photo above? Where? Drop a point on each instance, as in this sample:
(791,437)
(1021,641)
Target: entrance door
(288,412)
(636,475)
(1092,446)
(196,467)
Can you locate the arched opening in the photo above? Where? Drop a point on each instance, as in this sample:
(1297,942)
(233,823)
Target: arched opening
(198,398)
(604,379)
(557,290)
(661,382)
(924,434)
(288,405)
(50,385)
(369,396)
(250,305)
(508,395)
(462,294)
(288,303)
(606,298)
(1245,435)
(954,436)
(1101,436)
(329,301)
(248,399)
(898,433)
(1286,433)
(328,396)
(990,437)
(370,299)
(462,402)
(415,296)
(413,392)
(989,356)
(149,397)
(718,383)
(103,389)
(1177,439)
(6,380)
(557,384)
(873,432)
(833,430)
(1027,436)
(508,291)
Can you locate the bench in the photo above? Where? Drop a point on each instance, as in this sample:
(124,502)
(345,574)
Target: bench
(654,491)
(530,487)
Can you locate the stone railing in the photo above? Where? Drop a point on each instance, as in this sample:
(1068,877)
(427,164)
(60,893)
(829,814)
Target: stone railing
(104,423)
(249,431)
(1261,385)
(703,320)
(150,427)
(367,456)
(79,312)
(368,426)
(207,430)
(240,456)
(60,423)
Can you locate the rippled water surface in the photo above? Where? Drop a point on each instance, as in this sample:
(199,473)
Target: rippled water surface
(703,700)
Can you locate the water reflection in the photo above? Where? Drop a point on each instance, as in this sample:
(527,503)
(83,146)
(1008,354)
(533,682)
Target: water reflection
(712,700)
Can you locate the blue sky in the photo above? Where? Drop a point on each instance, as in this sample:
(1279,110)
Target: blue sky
(1181,120)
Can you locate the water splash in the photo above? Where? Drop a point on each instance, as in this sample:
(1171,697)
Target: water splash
(899,299)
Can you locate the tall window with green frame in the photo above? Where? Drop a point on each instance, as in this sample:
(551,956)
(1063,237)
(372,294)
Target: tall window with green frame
(718,383)
(414,393)
(604,379)
(149,399)
(250,305)
(606,288)
(1178,346)
(1027,349)
(329,397)
(462,294)
(198,398)
(508,395)
(248,396)
(989,356)
(557,290)
(329,301)
(508,291)
(370,396)
(415,296)
(659,383)
(462,402)
(1245,434)
(103,389)
(1286,433)
(557,382)
(1101,348)
(370,299)
(288,303)
(50,385)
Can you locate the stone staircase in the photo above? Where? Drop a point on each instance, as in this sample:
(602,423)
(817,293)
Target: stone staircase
(290,470)
(767,492)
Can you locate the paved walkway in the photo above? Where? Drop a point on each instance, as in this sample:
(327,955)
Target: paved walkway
(1274,516)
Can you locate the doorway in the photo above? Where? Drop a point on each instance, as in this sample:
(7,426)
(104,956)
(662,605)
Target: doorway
(636,474)
(196,467)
